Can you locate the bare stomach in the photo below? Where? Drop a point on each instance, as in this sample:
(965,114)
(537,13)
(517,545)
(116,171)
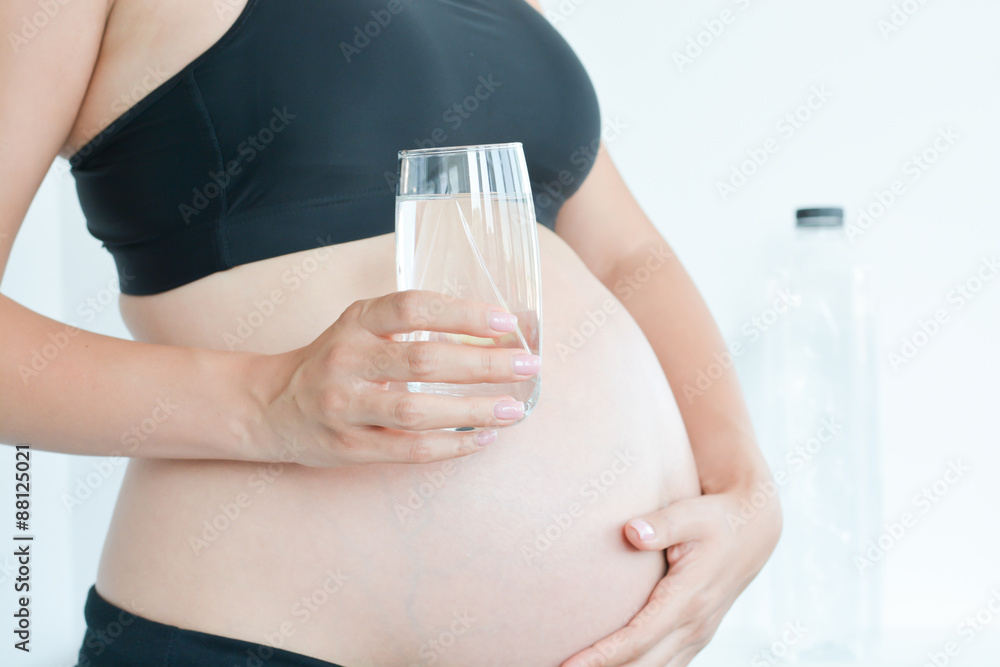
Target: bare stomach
(514,555)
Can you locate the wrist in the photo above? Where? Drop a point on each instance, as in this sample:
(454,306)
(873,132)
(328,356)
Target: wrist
(746,479)
(757,494)
(261,378)
(740,470)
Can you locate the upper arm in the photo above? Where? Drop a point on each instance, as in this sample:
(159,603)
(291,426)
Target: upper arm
(603,222)
(45,68)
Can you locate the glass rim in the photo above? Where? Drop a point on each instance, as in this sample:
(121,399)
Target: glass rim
(444,150)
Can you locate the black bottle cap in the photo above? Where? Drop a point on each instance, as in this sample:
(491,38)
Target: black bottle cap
(819,217)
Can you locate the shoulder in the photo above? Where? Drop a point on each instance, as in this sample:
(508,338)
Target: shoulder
(535,3)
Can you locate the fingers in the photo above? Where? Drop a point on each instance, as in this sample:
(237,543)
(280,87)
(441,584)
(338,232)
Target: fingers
(422,310)
(448,362)
(677,650)
(378,445)
(659,618)
(680,521)
(421,412)
(683,658)
(680,647)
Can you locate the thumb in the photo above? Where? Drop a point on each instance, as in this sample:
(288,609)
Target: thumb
(678,522)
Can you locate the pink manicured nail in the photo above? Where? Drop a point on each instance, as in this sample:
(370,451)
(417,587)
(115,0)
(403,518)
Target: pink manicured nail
(486,437)
(527,364)
(642,529)
(508,410)
(501,321)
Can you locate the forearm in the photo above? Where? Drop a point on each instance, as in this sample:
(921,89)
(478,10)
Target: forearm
(656,290)
(68,390)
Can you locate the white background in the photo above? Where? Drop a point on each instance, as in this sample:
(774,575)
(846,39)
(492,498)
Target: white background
(686,128)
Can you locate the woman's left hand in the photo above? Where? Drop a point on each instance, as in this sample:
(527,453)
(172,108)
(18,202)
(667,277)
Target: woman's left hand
(715,545)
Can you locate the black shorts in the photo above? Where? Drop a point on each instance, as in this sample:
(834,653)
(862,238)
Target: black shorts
(118,638)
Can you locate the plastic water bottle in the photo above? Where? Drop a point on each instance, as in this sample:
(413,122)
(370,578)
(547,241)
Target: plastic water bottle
(817,420)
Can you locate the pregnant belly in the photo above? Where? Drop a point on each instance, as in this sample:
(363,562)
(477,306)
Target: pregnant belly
(514,555)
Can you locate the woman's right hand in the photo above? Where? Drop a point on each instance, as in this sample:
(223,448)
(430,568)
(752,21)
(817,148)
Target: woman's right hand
(334,405)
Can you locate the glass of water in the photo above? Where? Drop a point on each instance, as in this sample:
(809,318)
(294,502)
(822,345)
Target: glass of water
(465,227)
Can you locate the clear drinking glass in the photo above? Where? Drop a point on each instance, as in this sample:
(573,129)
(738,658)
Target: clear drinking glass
(465,227)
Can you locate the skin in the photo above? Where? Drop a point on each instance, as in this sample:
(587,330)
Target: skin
(96,50)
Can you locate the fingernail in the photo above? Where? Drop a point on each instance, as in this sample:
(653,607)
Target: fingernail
(642,529)
(501,321)
(486,437)
(527,364)
(508,410)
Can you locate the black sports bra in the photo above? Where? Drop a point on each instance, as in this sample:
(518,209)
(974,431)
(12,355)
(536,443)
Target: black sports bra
(283,135)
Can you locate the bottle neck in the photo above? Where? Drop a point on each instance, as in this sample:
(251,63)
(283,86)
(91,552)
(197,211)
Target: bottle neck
(825,234)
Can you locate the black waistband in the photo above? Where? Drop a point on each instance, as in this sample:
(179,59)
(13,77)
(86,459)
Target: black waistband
(117,637)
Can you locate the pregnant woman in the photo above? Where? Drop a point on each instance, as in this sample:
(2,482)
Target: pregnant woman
(293,506)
